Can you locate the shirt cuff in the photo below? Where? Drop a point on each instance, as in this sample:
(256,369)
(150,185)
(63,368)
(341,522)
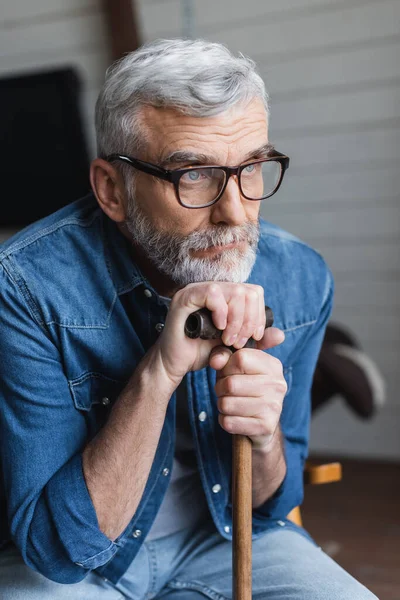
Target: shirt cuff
(291,491)
(75,519)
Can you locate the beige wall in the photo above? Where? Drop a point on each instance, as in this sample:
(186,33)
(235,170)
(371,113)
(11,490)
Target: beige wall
(332,71)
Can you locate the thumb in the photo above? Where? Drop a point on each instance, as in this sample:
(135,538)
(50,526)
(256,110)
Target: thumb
(272,337)
(219,357)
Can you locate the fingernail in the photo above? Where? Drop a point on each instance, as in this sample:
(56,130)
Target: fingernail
(242,342)
(260,332)
(218,353)
(231,340)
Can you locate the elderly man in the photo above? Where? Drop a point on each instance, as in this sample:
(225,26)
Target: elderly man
(116,427)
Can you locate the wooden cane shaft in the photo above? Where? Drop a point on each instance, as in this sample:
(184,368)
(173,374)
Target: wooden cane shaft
(242,517)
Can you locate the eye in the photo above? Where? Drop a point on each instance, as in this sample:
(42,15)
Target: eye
(249,169)
(193,175)
(196,176)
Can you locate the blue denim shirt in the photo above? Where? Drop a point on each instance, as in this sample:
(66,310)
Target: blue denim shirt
(75,322)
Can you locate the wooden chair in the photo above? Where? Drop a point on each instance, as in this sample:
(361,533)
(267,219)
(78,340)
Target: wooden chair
(317,474)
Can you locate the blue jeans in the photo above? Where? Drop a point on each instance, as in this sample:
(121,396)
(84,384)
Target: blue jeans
(194,565)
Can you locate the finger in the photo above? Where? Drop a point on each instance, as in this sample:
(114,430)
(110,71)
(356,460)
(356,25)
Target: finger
(251,386)
(219,357)
(250,318)
(250,426)
(250,361)
(196,296)
(272,337)
(236,308)
(258,334)
(241,406)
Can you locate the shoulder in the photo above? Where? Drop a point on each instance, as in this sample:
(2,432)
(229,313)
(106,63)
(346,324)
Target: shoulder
(57,263)
(79,214)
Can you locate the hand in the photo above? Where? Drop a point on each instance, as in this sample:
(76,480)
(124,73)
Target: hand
(237,309)
(250,388)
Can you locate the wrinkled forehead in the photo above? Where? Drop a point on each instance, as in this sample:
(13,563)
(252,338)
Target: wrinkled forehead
(226,138)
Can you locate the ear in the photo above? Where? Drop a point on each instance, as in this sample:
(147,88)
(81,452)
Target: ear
(108,187)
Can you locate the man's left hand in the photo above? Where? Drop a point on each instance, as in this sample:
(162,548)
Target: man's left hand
(250,388)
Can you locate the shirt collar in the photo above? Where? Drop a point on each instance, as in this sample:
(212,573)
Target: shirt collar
(124,272)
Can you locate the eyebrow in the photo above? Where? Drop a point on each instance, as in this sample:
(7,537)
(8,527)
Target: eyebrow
(193,158)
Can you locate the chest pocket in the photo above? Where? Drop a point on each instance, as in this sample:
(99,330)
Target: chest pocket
(94,390)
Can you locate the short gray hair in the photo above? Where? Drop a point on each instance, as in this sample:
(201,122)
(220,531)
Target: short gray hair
(195,77)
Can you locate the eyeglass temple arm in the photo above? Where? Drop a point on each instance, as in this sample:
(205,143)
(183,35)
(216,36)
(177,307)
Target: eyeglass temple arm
(142,166)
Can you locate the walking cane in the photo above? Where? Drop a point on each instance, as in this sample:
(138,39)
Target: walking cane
(199,325)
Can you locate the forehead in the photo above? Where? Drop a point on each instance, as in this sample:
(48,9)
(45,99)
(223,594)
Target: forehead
(227,136)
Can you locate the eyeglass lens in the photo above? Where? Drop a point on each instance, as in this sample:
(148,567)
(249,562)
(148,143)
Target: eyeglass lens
(202,185)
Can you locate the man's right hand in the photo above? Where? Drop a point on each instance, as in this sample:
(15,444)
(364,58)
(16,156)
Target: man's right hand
(236,308)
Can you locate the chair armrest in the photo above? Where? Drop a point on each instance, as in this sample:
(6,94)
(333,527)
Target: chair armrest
(318,474)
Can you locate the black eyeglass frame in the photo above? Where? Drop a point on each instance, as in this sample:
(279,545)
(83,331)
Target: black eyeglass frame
(174,175)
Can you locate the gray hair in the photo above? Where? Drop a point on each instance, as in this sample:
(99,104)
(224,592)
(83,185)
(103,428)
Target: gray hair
(195,77)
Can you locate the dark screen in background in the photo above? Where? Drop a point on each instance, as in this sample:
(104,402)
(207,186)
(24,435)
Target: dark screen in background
(44,161)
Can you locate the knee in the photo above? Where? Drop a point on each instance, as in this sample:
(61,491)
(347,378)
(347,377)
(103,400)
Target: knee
(352,591)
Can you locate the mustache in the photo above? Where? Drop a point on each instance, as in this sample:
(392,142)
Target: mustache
(223,235)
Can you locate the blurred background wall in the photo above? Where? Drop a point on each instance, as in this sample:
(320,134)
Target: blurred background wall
(332,71)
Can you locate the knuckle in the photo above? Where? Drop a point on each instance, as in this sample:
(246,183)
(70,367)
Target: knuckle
(258,290)
(252,294)
(241,359)
(178,297)
(230,385)
(275,408)
(225,405)
(262,428)
(225,422)
(213,288)
(281,386)
(184,296)
(239,291)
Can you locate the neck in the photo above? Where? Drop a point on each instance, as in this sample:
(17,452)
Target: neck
(160,282)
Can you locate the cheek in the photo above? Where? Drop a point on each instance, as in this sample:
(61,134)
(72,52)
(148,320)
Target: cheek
(154,197)
(158,201)
(252,210)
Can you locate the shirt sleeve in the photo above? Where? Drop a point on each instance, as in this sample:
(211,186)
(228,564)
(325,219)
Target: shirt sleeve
(51,517)
(296,412)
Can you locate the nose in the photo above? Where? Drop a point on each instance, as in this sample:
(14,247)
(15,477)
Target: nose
(229,209)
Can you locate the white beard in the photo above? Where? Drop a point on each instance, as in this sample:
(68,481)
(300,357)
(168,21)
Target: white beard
(170,252)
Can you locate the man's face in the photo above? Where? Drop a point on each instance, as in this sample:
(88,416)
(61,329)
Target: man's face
(213,243)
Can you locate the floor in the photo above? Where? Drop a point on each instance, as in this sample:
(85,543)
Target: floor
(357,522)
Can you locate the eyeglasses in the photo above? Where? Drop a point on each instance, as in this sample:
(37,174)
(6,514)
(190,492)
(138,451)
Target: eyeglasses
(201,186)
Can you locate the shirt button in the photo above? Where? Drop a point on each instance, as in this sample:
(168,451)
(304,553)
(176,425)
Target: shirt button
(227,529)
(159,327)
(137,533)
(281,523)
(165,472)
(147,293)
(216,488)
(202,416)
(105,401)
